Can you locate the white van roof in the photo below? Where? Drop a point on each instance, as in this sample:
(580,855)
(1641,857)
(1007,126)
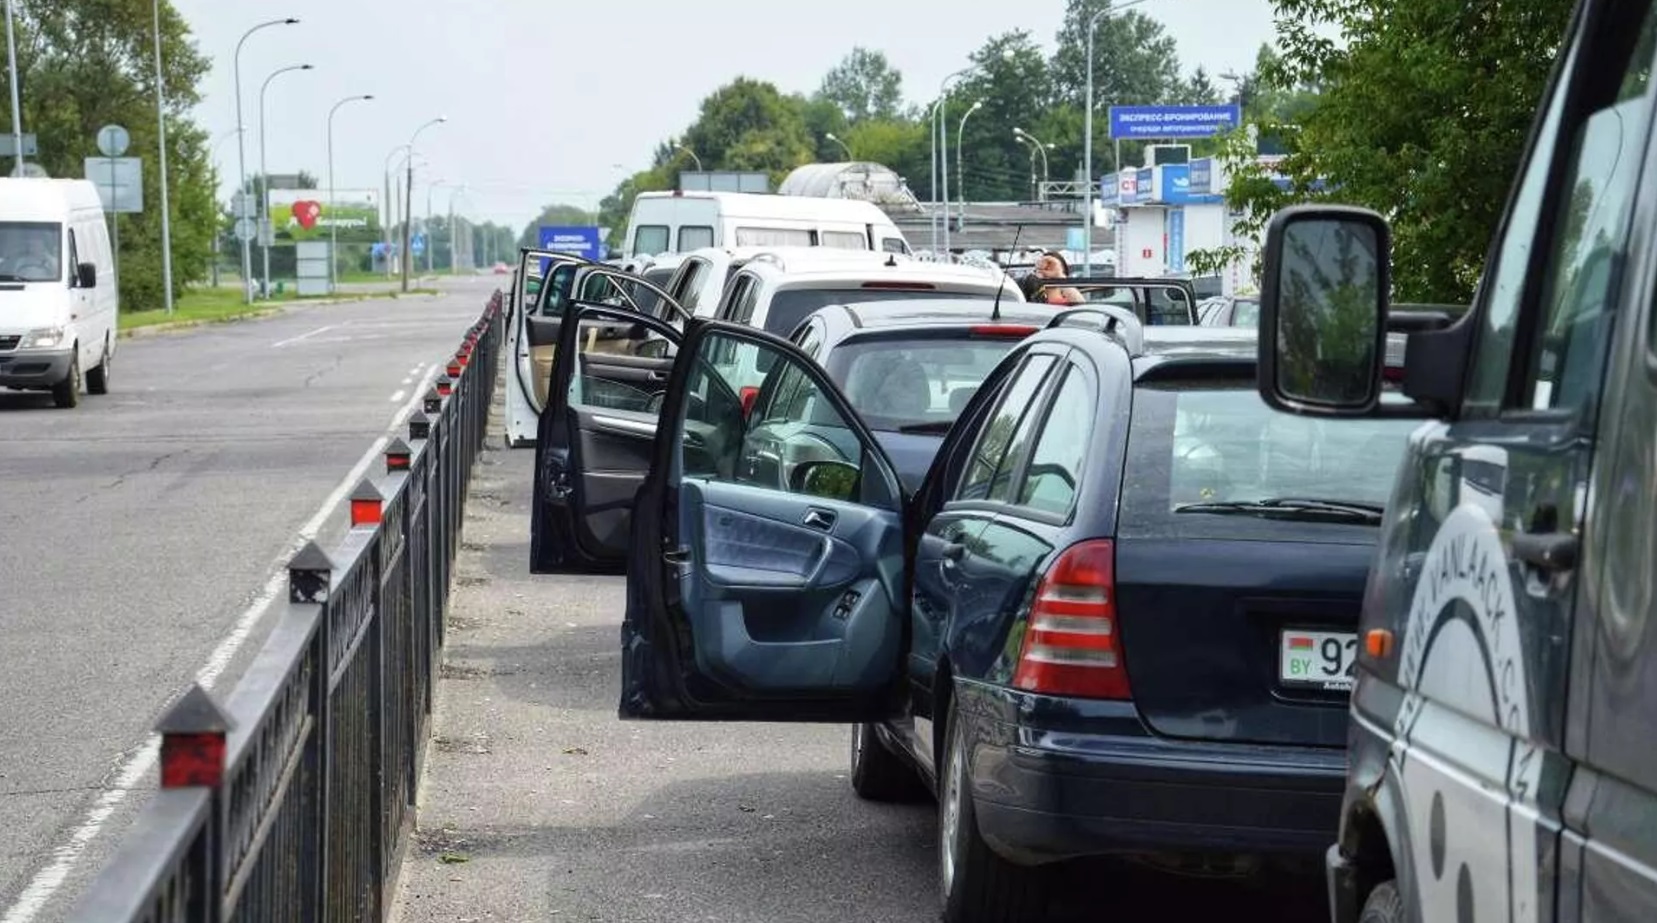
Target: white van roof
(754,205)
(38,199)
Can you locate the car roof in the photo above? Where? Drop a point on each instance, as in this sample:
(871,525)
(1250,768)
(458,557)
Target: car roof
(883,316)
(945,276)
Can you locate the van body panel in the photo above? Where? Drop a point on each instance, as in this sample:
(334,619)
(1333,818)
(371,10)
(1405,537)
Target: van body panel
(668,222)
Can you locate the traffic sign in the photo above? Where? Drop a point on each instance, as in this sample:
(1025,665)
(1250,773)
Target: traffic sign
(1160,122)
(417,244)
(244,205)
(8,145)
(120,182)
(246,228)
(113,140)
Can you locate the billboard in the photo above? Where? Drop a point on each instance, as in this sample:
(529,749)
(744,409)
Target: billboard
(308,214)
(581,240)
(1155,123)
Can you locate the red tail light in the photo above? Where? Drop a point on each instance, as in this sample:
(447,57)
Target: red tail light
(1072,646)
(1392,373)
(749,395)
(1003,330)
(902,286)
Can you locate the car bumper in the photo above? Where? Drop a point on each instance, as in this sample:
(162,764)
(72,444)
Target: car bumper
(1045,794)
(34,369)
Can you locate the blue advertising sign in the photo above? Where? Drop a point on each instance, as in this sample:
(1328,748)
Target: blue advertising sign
(1176,240)
(1202,176)
(1142,184)
(1155,123)
(1075,239)
(581,240)
(417,244)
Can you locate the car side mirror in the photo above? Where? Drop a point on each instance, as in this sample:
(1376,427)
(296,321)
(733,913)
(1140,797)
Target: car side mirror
(830,480)
(86,275)
(1323,307)
(652,349)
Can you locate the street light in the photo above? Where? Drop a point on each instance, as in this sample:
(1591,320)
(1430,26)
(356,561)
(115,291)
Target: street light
(1035,146)
(218,234)
(1087,142)
(241,155)
(17,99)
(161,149)
(265,228)
(940,156)
(960,157)
(431,244)
(692,157)
(390,217)
(333,227)
(409,194)
(830,135)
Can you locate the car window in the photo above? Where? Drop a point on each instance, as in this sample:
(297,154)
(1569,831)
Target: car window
(810,339)
(1207,444)
(690,284)
(991,449)
(553,293)
(650,239)
(893,245)
(790,305)
(1246,313)
(908,384)
(845,240)
(30,251)
(1605,161)
(74,259)
(1055,470)
(695,237)
(794,440)
(774,237)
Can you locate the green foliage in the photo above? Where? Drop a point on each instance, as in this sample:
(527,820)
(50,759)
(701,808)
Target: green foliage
(1422,114)
(84,64)
(1014,84)
(553,215)
(1135,60)
(864,86)
(750,125)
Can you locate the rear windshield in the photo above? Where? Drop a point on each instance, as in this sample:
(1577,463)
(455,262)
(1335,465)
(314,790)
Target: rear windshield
(1206,445)
(790,306)
(919,385)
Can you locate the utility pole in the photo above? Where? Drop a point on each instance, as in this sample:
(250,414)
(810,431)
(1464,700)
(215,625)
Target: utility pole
(161,133)
(17,95)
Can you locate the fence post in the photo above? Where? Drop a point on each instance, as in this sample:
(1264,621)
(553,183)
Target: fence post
(310,582)
(193,736)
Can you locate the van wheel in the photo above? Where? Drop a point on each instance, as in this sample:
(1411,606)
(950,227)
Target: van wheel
(1384,905)
(978,885)
(97,380)
(67,393)
(878,774)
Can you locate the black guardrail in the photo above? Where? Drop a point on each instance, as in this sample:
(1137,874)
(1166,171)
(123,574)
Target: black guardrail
(294,799)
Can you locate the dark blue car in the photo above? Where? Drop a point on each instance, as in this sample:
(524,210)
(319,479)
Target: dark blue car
(1116,617)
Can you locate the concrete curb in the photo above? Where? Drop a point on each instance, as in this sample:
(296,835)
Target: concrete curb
(153,330)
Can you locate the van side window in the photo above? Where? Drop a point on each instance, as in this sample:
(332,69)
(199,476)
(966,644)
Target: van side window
(1567,354)
(650,239)
(774,237)
(73,267)
(845,240)
(894,245)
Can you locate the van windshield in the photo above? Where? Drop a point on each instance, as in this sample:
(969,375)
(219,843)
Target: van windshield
(31,251)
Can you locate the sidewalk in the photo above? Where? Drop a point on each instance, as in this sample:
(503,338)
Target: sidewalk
(540,804)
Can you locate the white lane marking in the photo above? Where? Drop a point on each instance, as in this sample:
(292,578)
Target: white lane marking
(303,336)
(399,396)
(45,884)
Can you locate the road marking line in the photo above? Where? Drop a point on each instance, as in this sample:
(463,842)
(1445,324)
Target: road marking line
(45,883)
(303,336)
(399,396)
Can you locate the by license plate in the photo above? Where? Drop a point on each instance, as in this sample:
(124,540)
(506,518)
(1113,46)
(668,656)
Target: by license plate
(1317,659)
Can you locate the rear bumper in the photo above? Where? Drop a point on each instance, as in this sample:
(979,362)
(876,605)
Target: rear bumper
(35,369)
(1045,795)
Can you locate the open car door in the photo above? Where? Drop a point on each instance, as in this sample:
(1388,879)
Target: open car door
(766,571)
(1156,302)
(593,445)
(531,363)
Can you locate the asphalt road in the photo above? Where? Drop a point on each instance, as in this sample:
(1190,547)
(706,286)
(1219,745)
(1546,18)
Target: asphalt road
(139,529)
(539,804)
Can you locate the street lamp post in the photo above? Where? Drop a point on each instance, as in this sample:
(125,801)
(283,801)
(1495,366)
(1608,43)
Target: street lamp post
(1087,140)
(1036,146)
(266,230)
(693,157)
(17,95)
(408,207)
(454,234)
(218,234)
(241,156)
(940,157)
(960,157)
(843,145)
(333,228)
(161,150)
(390,218)
(431,244)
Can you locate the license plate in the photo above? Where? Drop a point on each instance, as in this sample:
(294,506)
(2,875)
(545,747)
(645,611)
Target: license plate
(1317,659)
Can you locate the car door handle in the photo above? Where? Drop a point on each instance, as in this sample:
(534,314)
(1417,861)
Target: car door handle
(954,551)
(658,375)
(818,519)
(1549,551)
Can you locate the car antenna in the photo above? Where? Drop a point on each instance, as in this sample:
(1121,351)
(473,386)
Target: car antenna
(995,309)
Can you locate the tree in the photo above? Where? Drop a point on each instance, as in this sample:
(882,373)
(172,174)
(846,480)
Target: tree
(750,125)
(1135,60)
(1422,114)
(864,86)
(1200,89)
(1014,85)
(83,64)
(903,145)
(555,215)
(823,118)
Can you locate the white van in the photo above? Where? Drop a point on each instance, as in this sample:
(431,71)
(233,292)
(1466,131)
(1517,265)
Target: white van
(58,300)
(679,222)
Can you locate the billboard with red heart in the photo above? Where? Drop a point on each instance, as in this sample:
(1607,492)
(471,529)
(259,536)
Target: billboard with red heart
(309,214)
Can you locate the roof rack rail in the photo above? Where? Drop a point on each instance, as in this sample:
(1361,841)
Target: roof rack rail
(1119,324)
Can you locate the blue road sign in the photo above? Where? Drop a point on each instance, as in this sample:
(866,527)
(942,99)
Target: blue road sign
(417,245)
(1176,240)
(581,240)
(1155,123)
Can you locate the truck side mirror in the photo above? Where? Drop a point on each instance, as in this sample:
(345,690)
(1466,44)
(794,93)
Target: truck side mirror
(1323,307)
(86,275)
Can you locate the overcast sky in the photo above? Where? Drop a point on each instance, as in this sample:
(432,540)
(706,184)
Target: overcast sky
(555,100)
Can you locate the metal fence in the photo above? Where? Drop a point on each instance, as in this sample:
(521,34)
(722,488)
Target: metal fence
(293,799)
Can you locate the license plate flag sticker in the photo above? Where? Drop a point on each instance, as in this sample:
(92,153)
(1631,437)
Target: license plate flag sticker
(1300,643)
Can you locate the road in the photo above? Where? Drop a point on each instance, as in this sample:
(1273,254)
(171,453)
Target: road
(539,804)
(141,531)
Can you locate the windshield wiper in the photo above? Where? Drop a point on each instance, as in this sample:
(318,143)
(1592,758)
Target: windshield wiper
(1302,508)
(933,428)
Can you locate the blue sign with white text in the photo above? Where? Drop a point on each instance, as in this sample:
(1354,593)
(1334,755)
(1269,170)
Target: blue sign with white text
(417,244)
(581,240)
(1176,240)
(1155,123)
(1202,176)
